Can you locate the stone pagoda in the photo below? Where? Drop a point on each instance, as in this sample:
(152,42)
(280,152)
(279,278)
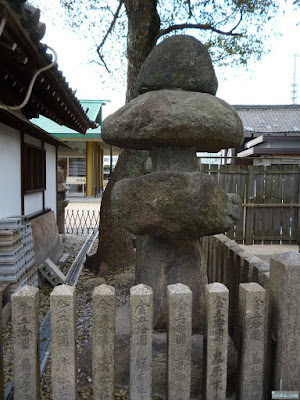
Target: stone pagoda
(174,115)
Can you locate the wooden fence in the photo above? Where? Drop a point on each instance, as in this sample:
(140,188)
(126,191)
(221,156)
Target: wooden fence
(264,323)
(270,196)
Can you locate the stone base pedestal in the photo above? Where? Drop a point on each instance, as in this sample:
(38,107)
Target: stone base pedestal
(162,262)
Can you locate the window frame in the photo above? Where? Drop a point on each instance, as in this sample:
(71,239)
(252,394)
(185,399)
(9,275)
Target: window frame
(33,168)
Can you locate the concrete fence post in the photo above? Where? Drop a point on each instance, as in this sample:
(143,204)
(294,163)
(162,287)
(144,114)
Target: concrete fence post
(215,258)
(179,298)
(221,256)
(25,327)
(63,349)
(284,319)
(141,316)
(210,259)
(252,309)
(259,269)
(103,339)
(216,304)
(232,283)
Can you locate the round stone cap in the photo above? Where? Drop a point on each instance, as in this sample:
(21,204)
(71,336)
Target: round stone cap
(178,62)
(174,118)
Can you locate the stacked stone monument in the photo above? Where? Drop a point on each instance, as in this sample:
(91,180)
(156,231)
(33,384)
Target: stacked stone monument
(174,115)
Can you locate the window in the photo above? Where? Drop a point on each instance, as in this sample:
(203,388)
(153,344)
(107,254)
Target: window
(33,168)
(77,167)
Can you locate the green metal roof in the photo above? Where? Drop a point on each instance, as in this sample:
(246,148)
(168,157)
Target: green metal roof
(93,108)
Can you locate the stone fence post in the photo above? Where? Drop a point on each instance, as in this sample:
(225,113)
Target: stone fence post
(216,304)
(179,299)
(141,316)
(63,350)
(103,337)
(25,326)
(284,319)
(252,307)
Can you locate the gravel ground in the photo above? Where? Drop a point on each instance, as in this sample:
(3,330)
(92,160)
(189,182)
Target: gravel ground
(122,283)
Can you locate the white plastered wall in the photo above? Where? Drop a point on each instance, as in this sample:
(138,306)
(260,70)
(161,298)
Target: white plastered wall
(50,193)
(33,202)
(10,172)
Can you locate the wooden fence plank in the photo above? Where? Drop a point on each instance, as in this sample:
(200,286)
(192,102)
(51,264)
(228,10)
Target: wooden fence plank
(249,211)
(241,191)
(277,213)
(286,213)
(295,199)
(258,213)
(268,233)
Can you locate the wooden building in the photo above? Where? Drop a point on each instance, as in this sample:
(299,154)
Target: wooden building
(83,160)
(271,132)
(28,154)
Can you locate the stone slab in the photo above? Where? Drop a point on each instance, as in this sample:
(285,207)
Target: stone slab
(179,299)
(63,349)
(46,240)
(25,326)
(252,314)
(103,334)
(216,304)
(284,316)
(141,317)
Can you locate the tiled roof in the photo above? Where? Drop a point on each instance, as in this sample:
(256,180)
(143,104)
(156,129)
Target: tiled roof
(20,47)
(270,119)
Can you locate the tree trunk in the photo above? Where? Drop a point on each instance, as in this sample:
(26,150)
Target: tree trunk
(115,248)
(143,28)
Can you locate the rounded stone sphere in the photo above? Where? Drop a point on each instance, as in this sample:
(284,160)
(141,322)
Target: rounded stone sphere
(178,62)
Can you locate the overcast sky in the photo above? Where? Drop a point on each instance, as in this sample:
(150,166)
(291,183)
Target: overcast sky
(268,81)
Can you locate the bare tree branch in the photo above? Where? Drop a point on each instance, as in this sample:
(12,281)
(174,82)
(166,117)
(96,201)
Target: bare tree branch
(190,8)
(113,22)
(240,20)
(206,27)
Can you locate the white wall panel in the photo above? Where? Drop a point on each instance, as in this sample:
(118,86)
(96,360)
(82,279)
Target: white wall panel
(33,202)
(50,193)
(10,172)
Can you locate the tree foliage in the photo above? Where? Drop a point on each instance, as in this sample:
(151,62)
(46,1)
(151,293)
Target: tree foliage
(233,30)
